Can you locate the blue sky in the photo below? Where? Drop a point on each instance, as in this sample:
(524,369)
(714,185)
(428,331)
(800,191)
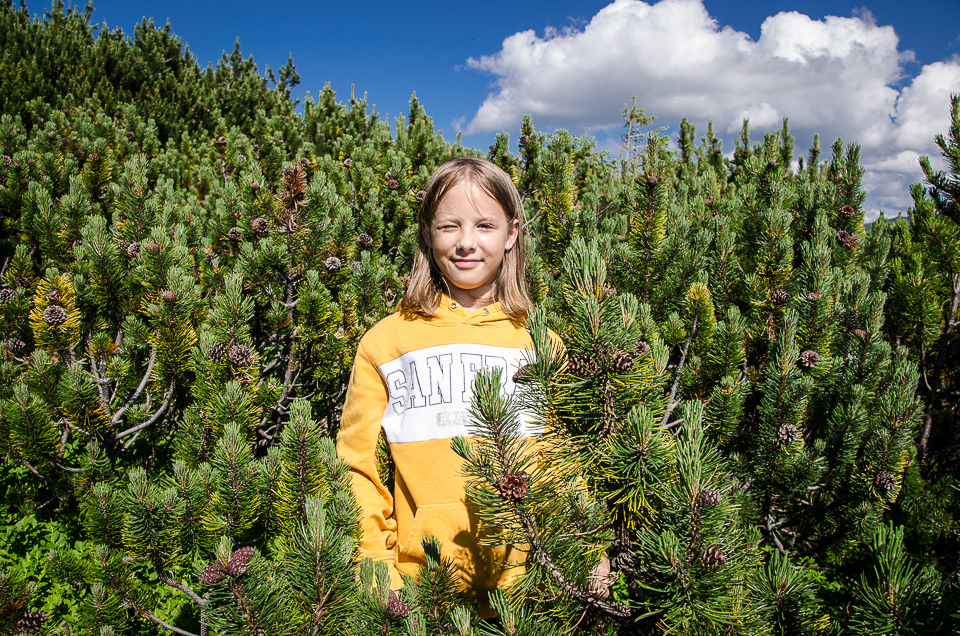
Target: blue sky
(879,73)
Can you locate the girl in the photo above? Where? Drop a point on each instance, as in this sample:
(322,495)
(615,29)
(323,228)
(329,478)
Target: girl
(414,372)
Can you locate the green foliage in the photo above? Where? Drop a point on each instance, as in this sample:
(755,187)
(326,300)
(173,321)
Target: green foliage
(751,419)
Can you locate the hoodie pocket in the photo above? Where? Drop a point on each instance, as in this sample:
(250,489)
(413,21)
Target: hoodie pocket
(445,522)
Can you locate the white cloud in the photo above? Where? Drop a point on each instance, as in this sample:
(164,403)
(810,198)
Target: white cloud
(837,76)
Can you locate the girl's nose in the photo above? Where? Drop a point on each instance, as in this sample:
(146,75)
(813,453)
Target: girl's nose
(466,240)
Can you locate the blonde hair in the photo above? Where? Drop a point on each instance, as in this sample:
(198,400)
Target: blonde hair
(427,283)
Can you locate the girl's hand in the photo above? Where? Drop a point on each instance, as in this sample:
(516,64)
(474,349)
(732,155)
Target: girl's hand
(600,579)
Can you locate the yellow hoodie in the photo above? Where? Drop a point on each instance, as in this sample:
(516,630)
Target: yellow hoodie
(413,377)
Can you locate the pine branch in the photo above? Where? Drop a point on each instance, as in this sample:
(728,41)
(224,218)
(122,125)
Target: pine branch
(156,416)
(938,368)
(676,381)
(541,556)
(136,394)
(166,626)
(163,576)
(49,480)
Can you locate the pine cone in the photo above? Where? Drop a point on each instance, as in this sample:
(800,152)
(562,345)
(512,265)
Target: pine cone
(294,187)
(523,374)
(7,296)
(641,348)
(237,565)
(779,297)
(131,135)
(421,195)
(332,263)
(813,296)
(260,225)
(808,360)
(256,185)
(218,351)
(397,608)
(848,240)
(848,211)
(393,184)
(54,315)
(235,235)
(621,361)
(153,248)
(524,140)
(30,623)
(169,296)
(708,498)
(221,139)
(22,281)
(513,486)
(53,294)
(713,556)
(365,240)
(860,333)
(304,163)
(133,249)
(14,345)
(240,355)
(211,574)
(652,180)
(580,365)
(348,162)
(788,433)
(885,481)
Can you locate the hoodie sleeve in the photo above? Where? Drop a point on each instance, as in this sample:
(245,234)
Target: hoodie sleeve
(363,409)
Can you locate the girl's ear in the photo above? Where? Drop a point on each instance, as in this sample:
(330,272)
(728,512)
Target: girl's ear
(512,233)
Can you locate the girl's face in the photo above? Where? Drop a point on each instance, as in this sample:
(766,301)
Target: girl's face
(468,237)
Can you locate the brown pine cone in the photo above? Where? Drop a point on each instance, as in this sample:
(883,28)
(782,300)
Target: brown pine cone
(788,433)
(860,333)
(848,240)
(779,297)
(397,608)
(169,296)
(708,498)
(218,351)
(365,240)
(421,195)
(260,225)
(30,623)
(513,486)
(211,574)
(393,184)
(53,294)
(332,263)
(235,235)
(304,163)
(21,281)
(885,481)
(523,374)
(54,315)
(237,565)
(813,296)
(153,248)
(848,211)
(808,360)
(7,296)
(240,355)
(14,345)
(133,249)
(713,556)
(621,362)
(580,365)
